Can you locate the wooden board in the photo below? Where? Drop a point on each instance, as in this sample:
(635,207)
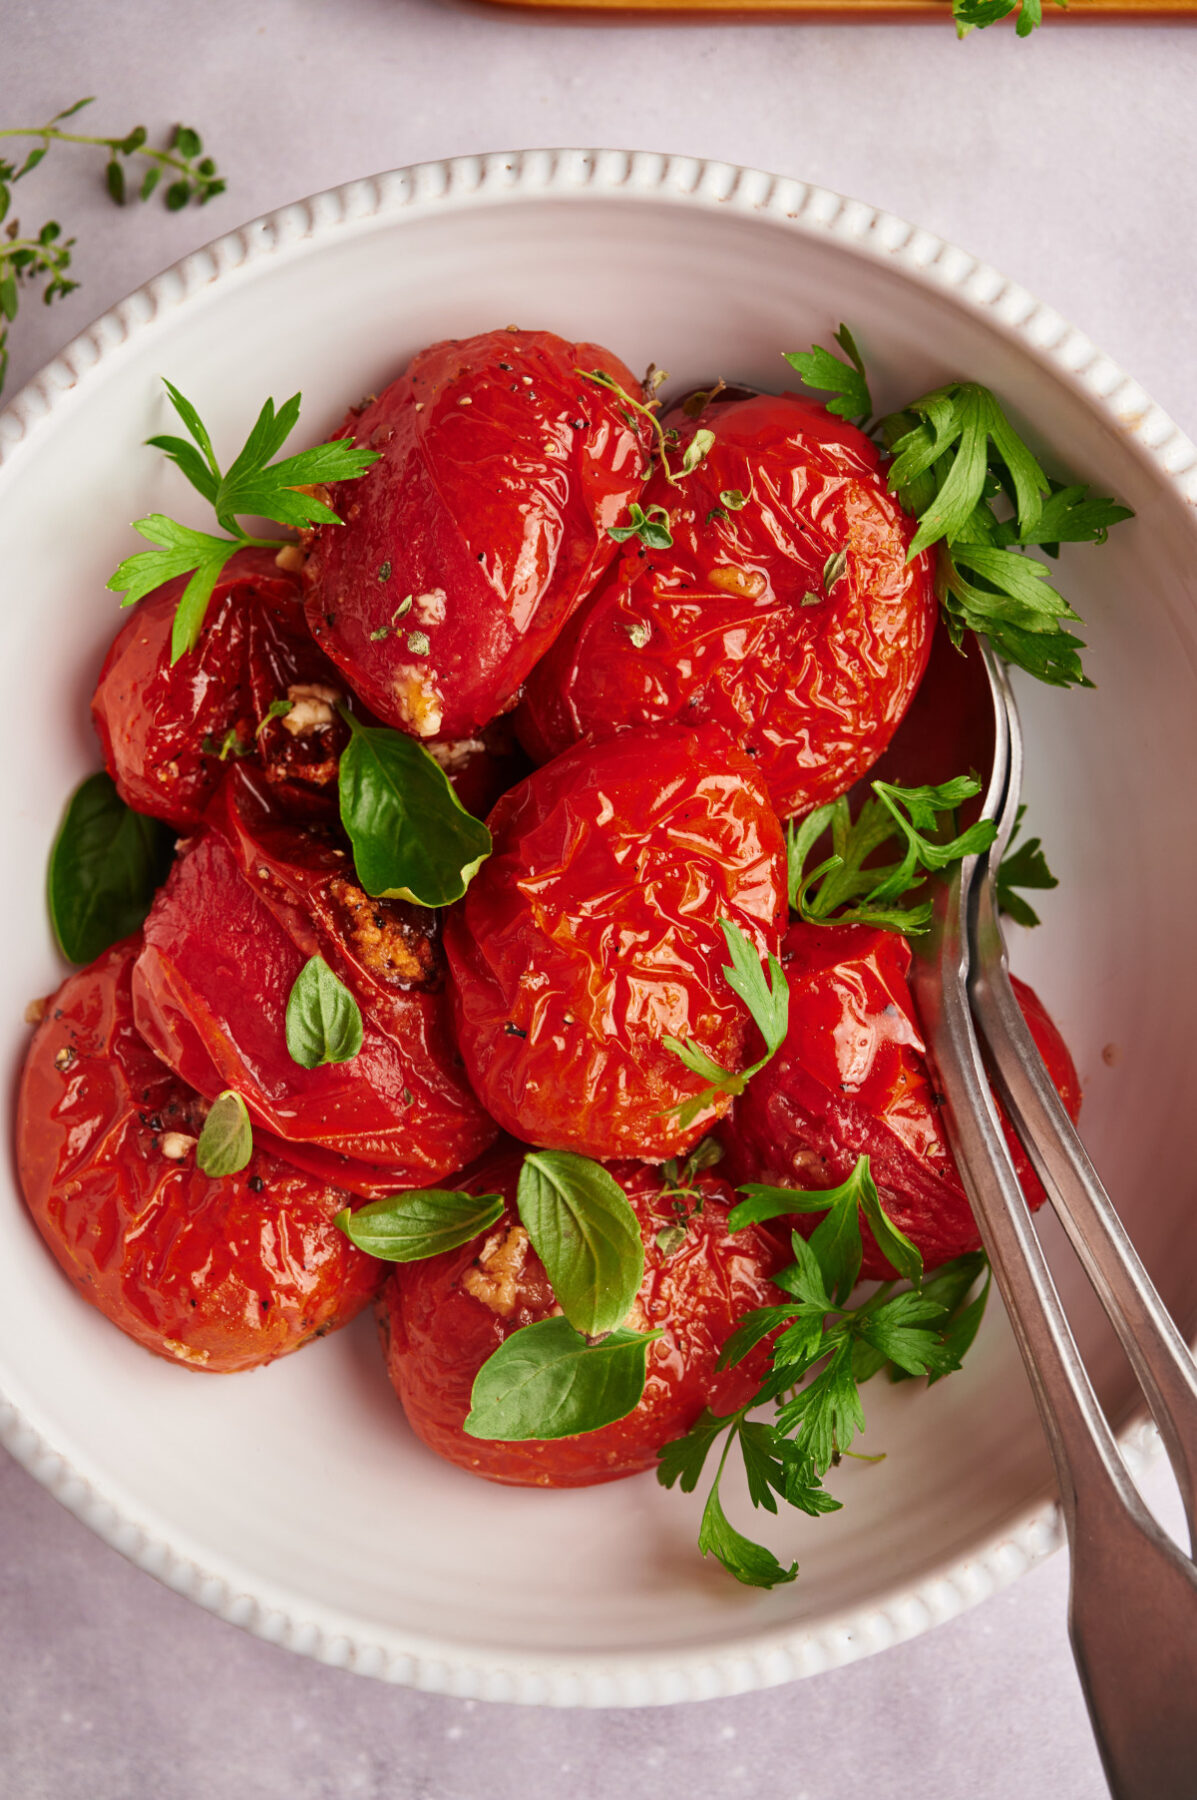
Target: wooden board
(865,12)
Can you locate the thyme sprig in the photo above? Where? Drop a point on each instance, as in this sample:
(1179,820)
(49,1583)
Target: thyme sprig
(44,255)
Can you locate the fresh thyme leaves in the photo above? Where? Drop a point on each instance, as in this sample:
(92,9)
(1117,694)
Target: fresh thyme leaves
(767,1000)
(278,709)
(420,1223)
(585,1233)
(412,838)
(923,1330)
(827,373)
(105,867)
(651,527)
(846,888)
(323,1021)
(1025,867)
(254,486)
(546,1381)
(226,1142)
(46,253)
(695,451)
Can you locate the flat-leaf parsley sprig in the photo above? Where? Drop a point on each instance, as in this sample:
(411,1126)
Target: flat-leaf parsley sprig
(848,887)
(254,486)
(955,458)
(768,1000)
(44,254)
(823,1350)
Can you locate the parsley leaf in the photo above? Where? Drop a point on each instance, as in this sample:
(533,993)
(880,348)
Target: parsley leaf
(1025,867)
(847,887)
(827,373)
(254,486)
(954,453)
(767,1001)
(822,1351)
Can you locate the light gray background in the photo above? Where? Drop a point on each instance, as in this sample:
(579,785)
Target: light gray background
(1068,162)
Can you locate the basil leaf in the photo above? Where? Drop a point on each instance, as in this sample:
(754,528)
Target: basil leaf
(324,1021)
(226,1142)
(423,1222)
(106,863)
(412,838)
(585,1233)
(546,1381)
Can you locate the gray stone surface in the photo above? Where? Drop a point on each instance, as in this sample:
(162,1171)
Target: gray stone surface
(1067,162)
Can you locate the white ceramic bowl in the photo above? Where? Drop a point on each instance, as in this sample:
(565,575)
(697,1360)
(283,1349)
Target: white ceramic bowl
(293,1501)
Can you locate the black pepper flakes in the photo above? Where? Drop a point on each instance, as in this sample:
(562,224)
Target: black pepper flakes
(514,1030)
(255,1184)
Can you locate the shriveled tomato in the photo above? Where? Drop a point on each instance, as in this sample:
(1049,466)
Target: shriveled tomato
(852,1079)
(168,731)
(216,1274)
(792,620)
(592,933)
(268,885)
(441,1319)
(481,527)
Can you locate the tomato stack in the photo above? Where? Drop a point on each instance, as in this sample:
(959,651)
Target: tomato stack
(641,646)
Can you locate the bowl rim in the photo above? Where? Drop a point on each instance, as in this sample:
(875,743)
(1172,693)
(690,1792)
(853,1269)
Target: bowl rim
(769,1656)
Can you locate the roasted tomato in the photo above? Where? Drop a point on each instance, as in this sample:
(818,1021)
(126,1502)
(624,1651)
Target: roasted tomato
(467,546)
(247,903)
(169,731)
(216,1274)
(852,1079)
(443,1318)
(795,623)
(592,933)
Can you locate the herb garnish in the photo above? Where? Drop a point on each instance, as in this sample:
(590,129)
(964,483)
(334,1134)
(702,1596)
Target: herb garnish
(767,1001)
(105,867)
(412,838)
(323,1021)
(1025,867)
(839,1346)
(226,1142)
(563,1376)
(253,486)
(651,527)
(47,253)
(830,374)
(955,453)
(420,1223)
(841,890)
(546,1381)
(585,1233)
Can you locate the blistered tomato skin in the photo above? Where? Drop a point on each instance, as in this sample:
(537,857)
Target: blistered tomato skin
(852,1079)
(163,726)
(441,1319)
(742,624)
(592,933)
(214,1274)
(248,902)
(484,523)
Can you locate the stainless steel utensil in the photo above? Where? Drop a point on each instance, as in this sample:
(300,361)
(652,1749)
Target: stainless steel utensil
(1133,1595)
